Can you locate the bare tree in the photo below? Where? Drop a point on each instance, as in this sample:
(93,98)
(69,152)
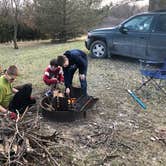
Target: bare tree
(157,4)
(13,8)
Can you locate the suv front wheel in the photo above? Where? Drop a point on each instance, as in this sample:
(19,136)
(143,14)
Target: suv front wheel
(98,49)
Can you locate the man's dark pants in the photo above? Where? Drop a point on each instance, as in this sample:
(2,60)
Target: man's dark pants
(22,99)
(83,83)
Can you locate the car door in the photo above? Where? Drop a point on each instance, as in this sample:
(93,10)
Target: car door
(131,39)
(157,42)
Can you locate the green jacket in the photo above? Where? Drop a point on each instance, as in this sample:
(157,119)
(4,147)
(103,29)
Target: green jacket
(6,93)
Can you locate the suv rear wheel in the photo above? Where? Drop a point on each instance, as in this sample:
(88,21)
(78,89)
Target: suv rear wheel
(98,49)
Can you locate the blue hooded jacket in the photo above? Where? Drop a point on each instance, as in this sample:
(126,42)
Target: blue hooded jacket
(78,59)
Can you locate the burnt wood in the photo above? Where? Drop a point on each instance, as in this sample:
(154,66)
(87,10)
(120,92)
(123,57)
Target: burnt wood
(61,109)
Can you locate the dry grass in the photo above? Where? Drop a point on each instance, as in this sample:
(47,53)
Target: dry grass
(116,131)
(33,57)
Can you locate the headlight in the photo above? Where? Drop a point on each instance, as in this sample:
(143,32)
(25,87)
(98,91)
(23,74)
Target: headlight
(89,34)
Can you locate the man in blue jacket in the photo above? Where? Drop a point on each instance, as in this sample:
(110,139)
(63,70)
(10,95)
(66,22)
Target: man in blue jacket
(72,60)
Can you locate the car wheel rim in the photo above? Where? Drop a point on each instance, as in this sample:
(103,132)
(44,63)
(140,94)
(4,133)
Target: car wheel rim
(98,50)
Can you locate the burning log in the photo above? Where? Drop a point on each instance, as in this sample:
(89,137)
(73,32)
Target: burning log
(59,102)
(61,108)
(57,93)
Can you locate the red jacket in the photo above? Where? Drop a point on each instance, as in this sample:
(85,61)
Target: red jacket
(50,75)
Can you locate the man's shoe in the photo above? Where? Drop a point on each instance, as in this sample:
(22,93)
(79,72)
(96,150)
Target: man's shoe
(48,93)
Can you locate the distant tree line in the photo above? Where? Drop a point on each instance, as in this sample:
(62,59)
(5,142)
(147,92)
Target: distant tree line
(157,5)
(24,32)
(58,20)
(125,10)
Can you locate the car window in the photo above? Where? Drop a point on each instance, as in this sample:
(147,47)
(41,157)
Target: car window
(139,23)
(161,24)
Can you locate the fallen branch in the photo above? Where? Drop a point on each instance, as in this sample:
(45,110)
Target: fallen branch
(25,139)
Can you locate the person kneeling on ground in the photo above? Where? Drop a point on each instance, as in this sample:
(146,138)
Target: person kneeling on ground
(52,76)
(71,61)
(11,98)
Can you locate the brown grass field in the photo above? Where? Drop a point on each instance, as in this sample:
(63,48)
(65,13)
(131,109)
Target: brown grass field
(117,131)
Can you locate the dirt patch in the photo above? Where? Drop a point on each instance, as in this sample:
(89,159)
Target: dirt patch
(117,131)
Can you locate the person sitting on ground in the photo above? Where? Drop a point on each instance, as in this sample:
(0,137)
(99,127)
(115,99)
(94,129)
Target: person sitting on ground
(11,98)
(72,60)
(53,75)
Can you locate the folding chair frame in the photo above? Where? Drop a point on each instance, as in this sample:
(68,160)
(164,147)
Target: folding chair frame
(147,81)
(152,79)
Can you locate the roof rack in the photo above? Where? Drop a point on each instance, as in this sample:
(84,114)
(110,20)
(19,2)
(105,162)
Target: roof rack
(160,10)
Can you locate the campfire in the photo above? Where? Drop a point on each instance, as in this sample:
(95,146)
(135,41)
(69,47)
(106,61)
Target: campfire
(58,102)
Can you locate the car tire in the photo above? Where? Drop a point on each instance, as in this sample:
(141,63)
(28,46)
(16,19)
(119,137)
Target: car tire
(98,49)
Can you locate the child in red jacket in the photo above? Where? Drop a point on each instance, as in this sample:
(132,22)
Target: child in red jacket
(53,75)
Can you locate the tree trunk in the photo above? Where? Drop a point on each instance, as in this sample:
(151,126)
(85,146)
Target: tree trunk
(15,6)
(15,35)
(157,5)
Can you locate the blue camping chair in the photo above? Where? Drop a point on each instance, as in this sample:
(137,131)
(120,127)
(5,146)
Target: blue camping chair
(152,72)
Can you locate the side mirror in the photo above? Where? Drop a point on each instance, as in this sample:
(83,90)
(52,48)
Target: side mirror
(123,30)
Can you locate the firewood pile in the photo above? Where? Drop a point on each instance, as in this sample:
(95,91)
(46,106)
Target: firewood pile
(21,143)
